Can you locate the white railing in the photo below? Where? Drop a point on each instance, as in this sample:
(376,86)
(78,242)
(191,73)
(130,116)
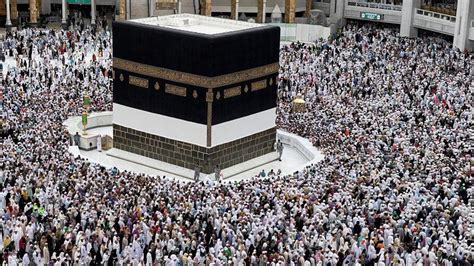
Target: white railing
(302,32)
(363,3)
(432,14)
(471,31)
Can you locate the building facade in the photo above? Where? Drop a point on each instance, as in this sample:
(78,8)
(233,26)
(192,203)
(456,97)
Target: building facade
(456,20)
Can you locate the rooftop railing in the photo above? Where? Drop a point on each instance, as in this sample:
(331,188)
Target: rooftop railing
(363,3)
(443,9)
(436,15)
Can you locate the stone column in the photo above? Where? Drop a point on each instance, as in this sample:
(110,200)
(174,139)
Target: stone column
(408,12)
(234,9)
(260,11)
(151,8)
(464,16)
(93,15)
(206,7)
(38,8)
(33,14)
(290,11)
(14,9)
(2,8)
(8,23)
(336,15)
(180,7)
(122,10)
(309,4)
(64,14)
(128,11)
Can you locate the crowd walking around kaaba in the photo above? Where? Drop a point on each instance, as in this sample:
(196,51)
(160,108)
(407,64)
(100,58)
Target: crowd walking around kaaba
(393,117)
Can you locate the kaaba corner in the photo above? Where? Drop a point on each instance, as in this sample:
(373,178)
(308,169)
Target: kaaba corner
(195,91)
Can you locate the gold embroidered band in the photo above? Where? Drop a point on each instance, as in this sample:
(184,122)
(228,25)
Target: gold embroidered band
(139,82)
(232,92)
(192,79)
(258,85)
(166,4)
(175,90)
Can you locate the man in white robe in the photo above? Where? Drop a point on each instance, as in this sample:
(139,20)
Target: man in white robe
(99,143)
(26,260)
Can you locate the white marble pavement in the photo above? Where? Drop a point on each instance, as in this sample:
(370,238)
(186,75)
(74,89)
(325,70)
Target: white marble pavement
(298,152)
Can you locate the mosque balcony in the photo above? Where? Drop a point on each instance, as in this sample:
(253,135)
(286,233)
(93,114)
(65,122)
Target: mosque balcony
(433,21)
(366,4)
(386,13)
(59,2)
(323,5)
(249,6)
(471,31)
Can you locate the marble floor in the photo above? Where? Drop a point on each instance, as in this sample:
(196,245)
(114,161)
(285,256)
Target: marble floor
(101,131)
(292,160)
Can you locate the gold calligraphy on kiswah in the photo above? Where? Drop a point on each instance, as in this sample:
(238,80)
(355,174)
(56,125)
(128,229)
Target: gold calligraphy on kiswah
(175,90)
(235,91)
(139,82)
(259,85)
(193,79)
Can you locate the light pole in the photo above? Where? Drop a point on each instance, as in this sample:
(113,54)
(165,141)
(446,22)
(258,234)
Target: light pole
(85,113)
(64,19)
(93,13)
(8,23)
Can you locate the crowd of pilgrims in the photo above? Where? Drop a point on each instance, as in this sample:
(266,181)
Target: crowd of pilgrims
(392,115)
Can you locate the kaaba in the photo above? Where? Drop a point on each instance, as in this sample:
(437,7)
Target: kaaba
(195,91)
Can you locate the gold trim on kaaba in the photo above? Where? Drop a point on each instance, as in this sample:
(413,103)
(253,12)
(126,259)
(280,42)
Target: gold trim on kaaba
(193,79)
(175,90)
(209,99)
(121,77)
(209,96)
(218,95)
(271,81)
(157,86)
(246,89)
(259,85)
(139,82)
(195,94)
(235,91)
(166,4)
